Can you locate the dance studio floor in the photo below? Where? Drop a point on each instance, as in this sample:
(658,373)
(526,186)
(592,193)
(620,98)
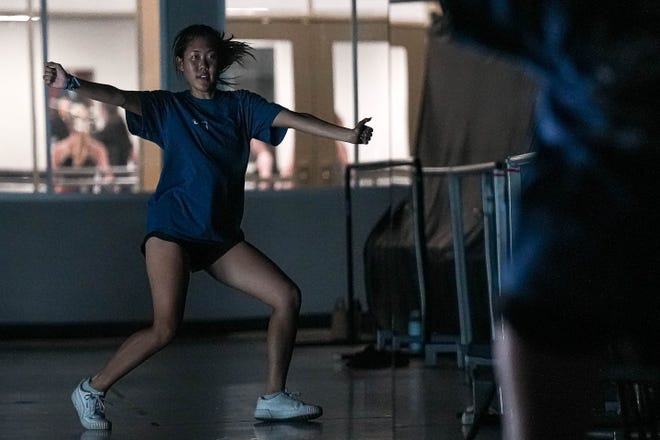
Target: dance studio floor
(205,387)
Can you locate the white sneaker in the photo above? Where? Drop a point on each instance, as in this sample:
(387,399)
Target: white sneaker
(285,406)
(90,406)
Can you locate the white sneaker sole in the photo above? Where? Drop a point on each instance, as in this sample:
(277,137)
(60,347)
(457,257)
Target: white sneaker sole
(267,415)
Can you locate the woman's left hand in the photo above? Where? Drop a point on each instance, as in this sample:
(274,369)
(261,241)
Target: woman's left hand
(363,132)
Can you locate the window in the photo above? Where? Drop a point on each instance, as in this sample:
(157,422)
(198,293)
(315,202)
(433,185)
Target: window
(304,61)
(85,135)
(390,54)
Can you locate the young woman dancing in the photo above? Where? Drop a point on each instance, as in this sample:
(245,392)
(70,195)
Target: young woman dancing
(194,216)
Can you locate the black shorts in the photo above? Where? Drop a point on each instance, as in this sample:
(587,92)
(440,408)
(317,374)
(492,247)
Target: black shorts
(201,254)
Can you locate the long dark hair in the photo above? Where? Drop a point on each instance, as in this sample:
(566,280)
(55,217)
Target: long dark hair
(229,51)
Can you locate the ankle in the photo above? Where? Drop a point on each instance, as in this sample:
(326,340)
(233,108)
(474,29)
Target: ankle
(93,383)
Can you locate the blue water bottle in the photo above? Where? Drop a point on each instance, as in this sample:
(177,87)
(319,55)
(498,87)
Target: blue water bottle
(415,332)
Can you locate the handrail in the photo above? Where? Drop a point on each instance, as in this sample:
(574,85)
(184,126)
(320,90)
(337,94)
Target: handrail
(74,171)
(380,164)
(91,171)
(461,169)
(455,173)
(520,159)
(74,176)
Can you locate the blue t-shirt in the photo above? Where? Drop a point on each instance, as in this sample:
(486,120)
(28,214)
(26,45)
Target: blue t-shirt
(206,145)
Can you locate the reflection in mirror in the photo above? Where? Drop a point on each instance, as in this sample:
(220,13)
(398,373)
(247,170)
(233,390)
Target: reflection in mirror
(23,158)
(269,74)
(320,34)
(391,261)
(381,72)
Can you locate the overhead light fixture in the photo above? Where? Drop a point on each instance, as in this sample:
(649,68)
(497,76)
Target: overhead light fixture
(18,18)
(247,9)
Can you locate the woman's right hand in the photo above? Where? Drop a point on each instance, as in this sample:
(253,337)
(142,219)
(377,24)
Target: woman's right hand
(55,75)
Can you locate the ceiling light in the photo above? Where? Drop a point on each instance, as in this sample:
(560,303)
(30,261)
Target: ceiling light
(14,17)
(17,18)
(246,10)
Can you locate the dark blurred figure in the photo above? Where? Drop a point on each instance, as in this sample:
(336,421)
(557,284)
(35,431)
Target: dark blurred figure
(585,272)
(114,135)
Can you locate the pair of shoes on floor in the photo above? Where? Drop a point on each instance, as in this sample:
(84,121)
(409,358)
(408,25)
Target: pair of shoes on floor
(285,406)
(90,405)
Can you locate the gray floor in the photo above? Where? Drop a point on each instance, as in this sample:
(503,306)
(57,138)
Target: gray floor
(205,387)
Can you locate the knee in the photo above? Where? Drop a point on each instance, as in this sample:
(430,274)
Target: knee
(163,334)
(288,299)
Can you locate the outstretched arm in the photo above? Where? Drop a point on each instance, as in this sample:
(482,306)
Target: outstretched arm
(361,134)
(55,76)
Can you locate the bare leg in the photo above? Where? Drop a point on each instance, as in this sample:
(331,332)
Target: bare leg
(546,396)
(245,268)
(167,267)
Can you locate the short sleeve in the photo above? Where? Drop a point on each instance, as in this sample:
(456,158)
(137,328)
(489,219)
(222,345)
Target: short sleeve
(150,125)
(258,116)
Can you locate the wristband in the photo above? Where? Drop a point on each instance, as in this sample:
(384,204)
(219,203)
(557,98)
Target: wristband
(71,83)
